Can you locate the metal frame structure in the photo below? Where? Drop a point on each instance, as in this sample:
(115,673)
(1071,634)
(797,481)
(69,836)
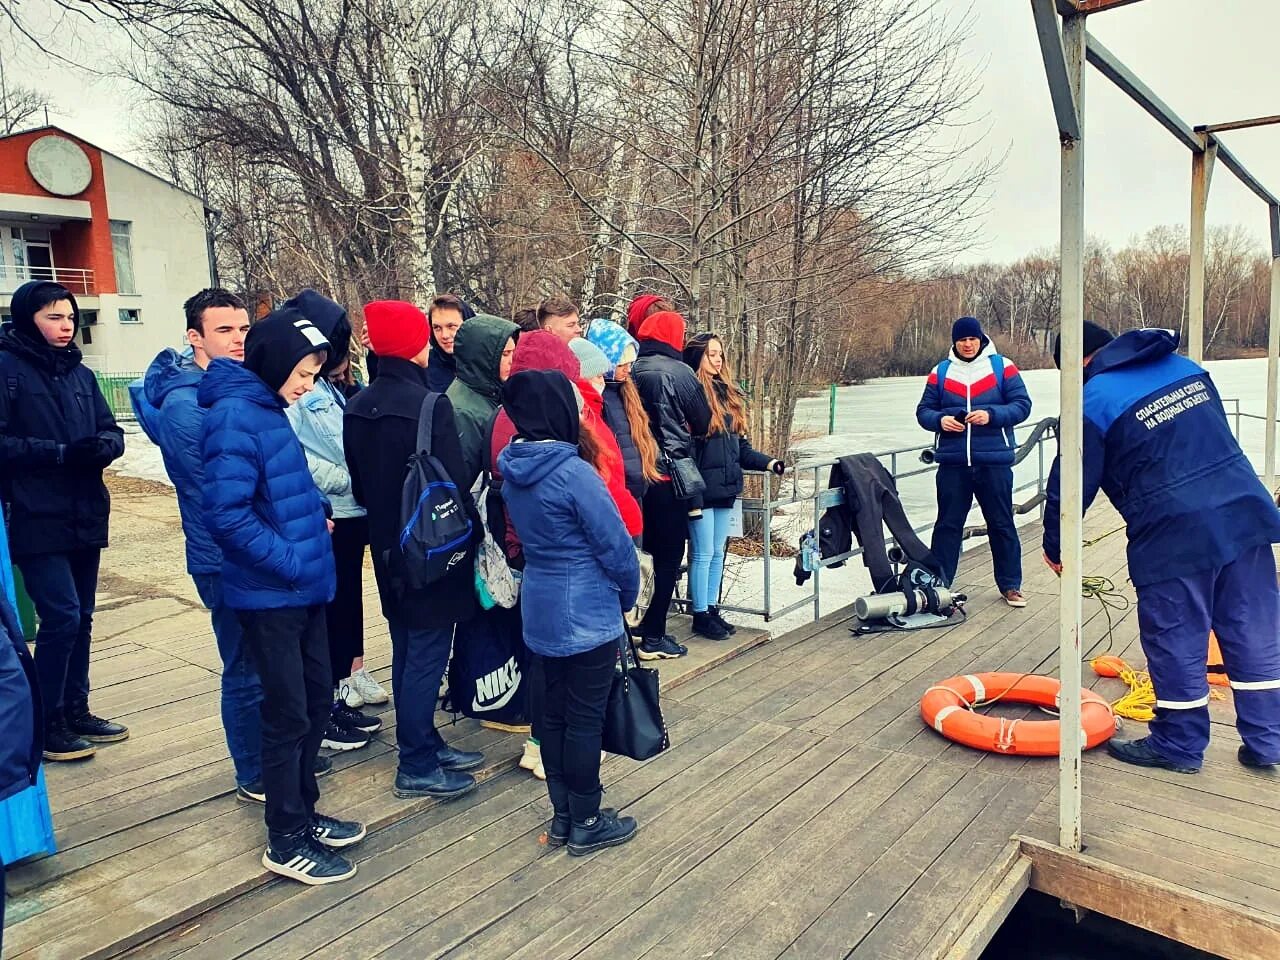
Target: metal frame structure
(1065,50)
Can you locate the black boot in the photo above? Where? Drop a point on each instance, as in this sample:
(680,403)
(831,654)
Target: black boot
(558,828)
(704,625)
(715,615)
(594,829)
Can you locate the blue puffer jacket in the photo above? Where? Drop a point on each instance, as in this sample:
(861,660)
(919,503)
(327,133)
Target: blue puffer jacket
(1157,442)
(261,505)
(164,401)
(21,735)
(957,387)
(580,565)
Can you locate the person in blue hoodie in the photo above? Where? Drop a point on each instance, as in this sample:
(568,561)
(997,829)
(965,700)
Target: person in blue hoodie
(265,514)
(317,420)
(972,400)
(165,403)
(580,574)
(1200,526)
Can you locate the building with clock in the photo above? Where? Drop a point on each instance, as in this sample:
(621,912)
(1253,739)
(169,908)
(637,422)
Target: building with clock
(130,245)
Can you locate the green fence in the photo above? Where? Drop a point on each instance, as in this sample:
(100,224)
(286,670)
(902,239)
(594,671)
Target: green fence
(115,387)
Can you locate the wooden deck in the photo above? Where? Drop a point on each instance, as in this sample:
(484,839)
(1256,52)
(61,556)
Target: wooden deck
(803,811)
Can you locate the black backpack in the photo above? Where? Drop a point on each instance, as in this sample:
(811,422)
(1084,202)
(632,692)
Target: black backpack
(436,532)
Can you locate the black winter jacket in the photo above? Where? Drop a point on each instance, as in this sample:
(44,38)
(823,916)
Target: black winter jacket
(615,416)
(49,400)
(379,435)
(674,400)
(21,730)
(722,457)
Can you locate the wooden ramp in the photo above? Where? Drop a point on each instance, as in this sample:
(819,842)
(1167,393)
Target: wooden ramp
(803,811)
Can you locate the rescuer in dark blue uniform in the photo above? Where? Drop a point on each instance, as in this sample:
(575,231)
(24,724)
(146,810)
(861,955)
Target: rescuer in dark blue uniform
(1200,527)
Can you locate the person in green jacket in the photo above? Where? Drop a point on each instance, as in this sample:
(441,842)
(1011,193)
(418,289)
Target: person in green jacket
(482,351)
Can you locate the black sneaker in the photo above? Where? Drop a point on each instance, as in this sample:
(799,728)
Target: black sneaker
(336,833)
(1141,754)
(308,861)
(715,614)
(338,737)
(322,767)
(353,719)
(660,648)
(252,792)
(95,729)
(605,829)
(61,744)
(705,625)
(1251,759)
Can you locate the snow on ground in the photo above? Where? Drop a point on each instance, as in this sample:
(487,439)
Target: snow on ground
(141,457)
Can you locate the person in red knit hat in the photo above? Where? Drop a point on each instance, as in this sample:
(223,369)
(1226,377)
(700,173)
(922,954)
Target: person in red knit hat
(642,308)
(380,435)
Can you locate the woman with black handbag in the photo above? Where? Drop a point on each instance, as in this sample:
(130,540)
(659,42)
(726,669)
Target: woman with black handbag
(678,412)
(580,574)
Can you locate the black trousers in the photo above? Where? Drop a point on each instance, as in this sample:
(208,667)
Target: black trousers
(666,529)
(575,691)
(344,617)
(291,652)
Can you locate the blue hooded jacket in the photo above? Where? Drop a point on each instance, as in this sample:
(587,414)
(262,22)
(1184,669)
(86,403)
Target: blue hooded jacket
(580,571)
(164,401)
(956,387)
(1157,442)
(260,503)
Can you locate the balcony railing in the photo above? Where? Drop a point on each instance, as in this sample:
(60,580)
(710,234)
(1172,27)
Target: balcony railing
(75,279)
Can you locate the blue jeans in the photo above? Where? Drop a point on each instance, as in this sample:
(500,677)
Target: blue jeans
(707,540)
(958,485)
(419,656)
(63,586)
(241,688)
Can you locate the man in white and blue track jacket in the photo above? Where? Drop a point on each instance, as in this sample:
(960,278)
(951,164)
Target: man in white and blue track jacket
(1200,527)
(973,400)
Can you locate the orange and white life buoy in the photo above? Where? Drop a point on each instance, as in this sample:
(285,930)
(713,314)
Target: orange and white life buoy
(948,708)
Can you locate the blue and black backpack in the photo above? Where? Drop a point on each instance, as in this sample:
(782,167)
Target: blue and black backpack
(436,534)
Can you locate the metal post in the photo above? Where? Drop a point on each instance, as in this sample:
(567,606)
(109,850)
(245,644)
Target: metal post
(831,412)
(1201,175)
(1071,434)
(1273,352)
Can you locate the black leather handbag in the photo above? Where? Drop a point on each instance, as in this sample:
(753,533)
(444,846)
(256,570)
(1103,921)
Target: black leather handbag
(686,478)
(633,724)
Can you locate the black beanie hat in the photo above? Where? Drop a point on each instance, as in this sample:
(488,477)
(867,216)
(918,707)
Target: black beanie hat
(543,405)
(1095,338)
(330,318)
(32,297)
(277,342)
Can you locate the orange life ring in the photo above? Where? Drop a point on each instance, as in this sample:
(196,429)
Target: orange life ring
(946,707)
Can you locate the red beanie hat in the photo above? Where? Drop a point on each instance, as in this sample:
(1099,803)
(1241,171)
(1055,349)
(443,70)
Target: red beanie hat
(541,350)
(665,327)
(635,312)
(396,328)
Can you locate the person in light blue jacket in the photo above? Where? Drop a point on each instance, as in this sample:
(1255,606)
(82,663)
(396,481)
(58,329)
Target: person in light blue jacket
(580,574)
(317,420)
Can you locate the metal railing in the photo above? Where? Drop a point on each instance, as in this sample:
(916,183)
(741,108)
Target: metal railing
(115,389)
(75,279)
(822,498)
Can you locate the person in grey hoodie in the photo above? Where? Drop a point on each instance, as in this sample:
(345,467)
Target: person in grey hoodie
(317,420)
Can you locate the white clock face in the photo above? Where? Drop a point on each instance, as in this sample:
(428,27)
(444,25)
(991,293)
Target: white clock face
(59,165)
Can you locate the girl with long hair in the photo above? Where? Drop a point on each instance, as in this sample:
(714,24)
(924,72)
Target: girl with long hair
(623,410)
(722,453)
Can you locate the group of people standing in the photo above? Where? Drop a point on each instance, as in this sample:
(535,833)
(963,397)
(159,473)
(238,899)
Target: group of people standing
(287,469)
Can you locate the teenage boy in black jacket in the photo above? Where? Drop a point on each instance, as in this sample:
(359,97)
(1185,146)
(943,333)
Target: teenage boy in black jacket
(57,435)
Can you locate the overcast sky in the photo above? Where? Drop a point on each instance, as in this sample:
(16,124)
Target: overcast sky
(1210,62)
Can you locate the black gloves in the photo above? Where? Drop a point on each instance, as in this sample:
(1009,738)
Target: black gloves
(91,453)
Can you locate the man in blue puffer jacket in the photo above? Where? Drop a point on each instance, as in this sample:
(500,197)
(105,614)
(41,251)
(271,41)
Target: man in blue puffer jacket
(1200,527)
(973,400)
(266,515)
(165,403)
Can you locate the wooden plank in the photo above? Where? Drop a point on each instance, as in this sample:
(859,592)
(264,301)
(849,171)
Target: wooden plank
(975,938)
(1209,923)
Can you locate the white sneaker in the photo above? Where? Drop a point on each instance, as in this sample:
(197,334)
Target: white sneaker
(349,695)
(532,756)
(368,688)
(540,771)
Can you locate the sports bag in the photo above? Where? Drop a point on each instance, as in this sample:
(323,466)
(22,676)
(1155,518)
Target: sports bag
(488,671)
(435,530)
